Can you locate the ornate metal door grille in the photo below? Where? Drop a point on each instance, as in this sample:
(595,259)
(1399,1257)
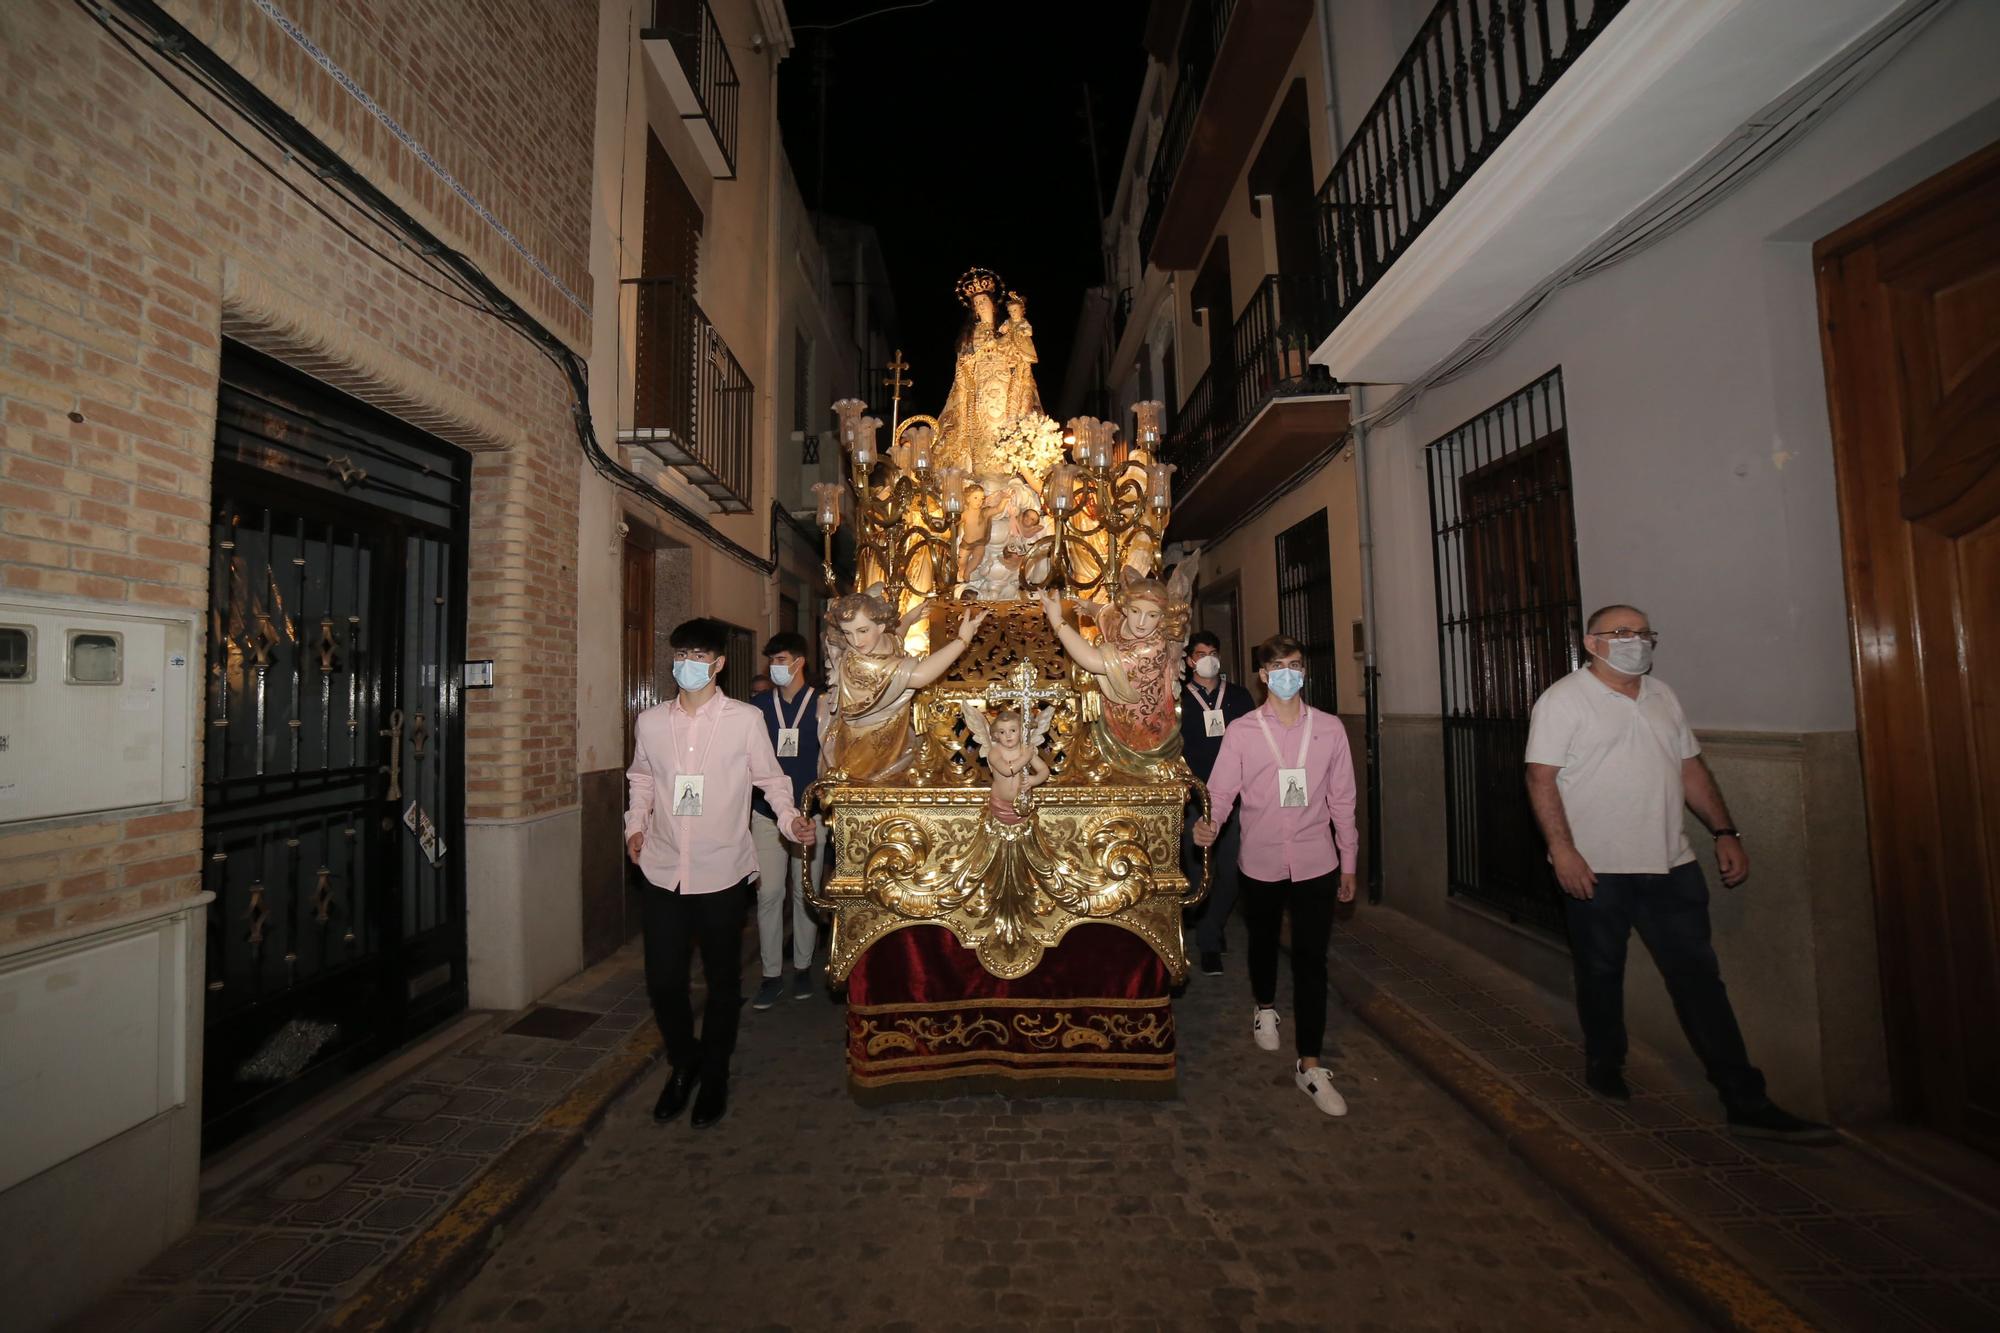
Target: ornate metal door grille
(1509,625)
(332,773)
(1305,604)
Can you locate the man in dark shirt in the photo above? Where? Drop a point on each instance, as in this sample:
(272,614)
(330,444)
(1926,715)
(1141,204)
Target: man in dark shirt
(791,716)
(1209,703)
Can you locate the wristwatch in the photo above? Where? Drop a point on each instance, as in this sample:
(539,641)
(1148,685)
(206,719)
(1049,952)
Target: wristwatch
(1725,833)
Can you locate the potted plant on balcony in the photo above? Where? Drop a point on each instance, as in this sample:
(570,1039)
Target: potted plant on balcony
(1293,343)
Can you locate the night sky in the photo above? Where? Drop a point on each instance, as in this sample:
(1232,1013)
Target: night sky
(957,129)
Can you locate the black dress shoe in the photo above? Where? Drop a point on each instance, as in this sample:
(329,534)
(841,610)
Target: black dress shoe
(711,1104)
(674,1097)
(1211,963)
(1774,1122)
(1608,1083)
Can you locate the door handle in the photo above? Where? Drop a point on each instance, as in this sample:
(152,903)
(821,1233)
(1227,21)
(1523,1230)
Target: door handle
(394,768)
(419,733)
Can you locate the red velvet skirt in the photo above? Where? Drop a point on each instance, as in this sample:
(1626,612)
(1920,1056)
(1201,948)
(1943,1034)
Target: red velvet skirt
(1094,1019)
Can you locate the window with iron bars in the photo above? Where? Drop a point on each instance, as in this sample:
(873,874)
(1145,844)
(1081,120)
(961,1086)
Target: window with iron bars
(1509,626)
(1305,604)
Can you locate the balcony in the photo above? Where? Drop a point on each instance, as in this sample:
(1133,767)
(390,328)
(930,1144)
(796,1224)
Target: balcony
(1252,423)
(1232,56)
(692,405)
(1513,134)
(687,50)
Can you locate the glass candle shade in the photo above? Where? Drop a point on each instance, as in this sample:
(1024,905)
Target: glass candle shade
(1101,436)
(1159,484)
(864,442)
(1146,424)
(826,499)
(1059,490)
(951,486)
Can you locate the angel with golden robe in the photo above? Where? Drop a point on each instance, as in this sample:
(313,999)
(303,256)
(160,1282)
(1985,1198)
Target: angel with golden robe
(868,733)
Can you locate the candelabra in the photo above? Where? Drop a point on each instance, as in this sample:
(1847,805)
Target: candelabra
(906,528)
(1110,512)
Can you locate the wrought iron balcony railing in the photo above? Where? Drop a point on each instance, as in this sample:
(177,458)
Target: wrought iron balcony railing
(1270,346)
(689,27)
(1474,70)
(692,404)
(1121,315)
(1201,38)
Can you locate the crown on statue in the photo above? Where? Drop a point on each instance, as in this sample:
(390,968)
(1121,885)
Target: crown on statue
(977,282)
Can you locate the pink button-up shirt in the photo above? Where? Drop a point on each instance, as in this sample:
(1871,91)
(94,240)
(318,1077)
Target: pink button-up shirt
(724,741)
(1287,842)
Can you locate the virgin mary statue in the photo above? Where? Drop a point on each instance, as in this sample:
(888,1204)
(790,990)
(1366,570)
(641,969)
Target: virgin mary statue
(993,384)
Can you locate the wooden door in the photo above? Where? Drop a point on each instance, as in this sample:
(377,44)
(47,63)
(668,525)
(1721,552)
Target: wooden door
(1910,310)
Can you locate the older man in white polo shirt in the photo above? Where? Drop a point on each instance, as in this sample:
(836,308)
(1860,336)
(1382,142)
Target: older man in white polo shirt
(1611,763)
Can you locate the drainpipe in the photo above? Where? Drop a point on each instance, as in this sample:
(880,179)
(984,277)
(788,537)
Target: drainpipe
(1357,414)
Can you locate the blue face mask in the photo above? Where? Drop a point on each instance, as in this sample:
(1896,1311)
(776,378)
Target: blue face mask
(691,675)
(781,674)
(1286,682)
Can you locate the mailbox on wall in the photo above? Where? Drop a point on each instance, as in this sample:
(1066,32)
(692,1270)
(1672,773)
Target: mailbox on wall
(95,709)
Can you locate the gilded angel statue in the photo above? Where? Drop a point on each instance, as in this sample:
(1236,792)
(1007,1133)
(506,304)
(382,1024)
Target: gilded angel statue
(1138,659)
(1011,747)
(868,734)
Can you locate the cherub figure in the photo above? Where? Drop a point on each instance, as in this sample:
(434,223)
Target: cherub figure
(1138,662)
(1012,751)
(868,734)
(1028,547)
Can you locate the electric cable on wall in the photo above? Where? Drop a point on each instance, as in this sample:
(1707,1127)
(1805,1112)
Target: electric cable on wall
(148,23)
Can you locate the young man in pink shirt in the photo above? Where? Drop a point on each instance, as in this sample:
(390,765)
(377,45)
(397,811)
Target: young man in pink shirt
(1288,764)
(687,827)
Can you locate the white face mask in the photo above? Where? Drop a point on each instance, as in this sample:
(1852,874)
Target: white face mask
(1286,682)
(1633,657)
(1208,668)
(691,675)
(781,674)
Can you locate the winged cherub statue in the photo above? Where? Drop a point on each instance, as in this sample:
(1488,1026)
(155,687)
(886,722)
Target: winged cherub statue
(1012,751)
(1138,660)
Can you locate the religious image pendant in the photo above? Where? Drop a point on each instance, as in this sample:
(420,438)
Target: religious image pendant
(788,742)
(1292,788)
(687,794)
(1211,722)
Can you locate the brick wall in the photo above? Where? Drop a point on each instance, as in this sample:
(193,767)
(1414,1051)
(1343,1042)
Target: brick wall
(130,234)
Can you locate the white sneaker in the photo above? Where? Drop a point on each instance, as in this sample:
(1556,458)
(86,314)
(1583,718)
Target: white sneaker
(1264,1027)
(1317,1084)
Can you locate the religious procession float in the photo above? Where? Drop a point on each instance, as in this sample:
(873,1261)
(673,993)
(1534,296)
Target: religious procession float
(1002,775)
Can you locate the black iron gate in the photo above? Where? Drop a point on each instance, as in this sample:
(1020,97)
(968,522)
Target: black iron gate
(332,773)
(1509,626)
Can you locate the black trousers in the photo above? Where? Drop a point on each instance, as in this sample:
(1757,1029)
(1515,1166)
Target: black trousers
(1211,922)
(1310,902)
(675,923)
(1670,912)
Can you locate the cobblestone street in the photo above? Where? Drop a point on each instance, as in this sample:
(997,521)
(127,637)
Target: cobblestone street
(1237,1205)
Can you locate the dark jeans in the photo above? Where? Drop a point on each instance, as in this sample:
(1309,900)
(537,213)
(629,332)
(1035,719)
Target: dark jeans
(1213,916)
(1670,912)
(674,924)
(1311,903)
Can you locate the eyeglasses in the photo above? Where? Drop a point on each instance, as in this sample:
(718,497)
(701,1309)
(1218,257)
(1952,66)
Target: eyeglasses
(1622,635)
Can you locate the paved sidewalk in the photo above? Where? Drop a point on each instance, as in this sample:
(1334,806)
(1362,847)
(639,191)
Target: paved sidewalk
(286,1248)
(1236,1206)
(1850,1241)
